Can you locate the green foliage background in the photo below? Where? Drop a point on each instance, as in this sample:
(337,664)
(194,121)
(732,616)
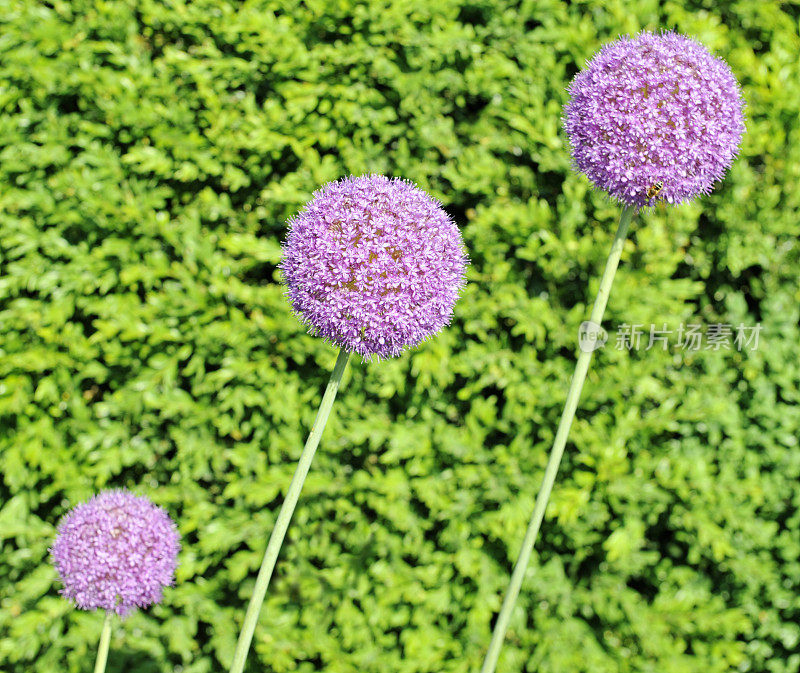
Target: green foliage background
(150,155)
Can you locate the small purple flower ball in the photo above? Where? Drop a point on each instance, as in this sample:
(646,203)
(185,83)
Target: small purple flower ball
(654,117)
(374,265)
(116,552)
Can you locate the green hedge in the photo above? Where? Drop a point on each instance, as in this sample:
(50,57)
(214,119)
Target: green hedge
(150,155)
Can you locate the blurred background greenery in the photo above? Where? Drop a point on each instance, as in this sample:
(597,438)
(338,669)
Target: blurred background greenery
(150,155)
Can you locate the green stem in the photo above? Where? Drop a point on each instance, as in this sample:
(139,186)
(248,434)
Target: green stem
(571,404)
(102,648)
(285,515)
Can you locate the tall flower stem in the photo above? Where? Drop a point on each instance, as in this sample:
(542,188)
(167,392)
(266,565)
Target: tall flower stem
(285,515)
(102,648)
(571,404)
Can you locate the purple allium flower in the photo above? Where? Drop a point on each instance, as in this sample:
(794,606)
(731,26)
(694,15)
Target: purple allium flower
(373,264)
(117,551)
(654,111)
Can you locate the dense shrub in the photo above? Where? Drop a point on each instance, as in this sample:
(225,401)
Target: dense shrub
(150,155)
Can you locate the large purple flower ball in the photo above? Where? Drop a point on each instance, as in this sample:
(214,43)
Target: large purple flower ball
(116,552)
(374,265)
(654,117)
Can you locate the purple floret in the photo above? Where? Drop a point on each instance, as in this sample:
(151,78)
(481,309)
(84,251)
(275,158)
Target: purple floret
(116,552)
(654,109)
(374,265)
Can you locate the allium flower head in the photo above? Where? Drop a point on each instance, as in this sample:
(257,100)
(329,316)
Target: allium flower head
(373,264)
(117,551)
(657,114)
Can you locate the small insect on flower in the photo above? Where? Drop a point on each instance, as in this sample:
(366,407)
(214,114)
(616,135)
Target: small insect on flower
(654,190)
(654,105)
